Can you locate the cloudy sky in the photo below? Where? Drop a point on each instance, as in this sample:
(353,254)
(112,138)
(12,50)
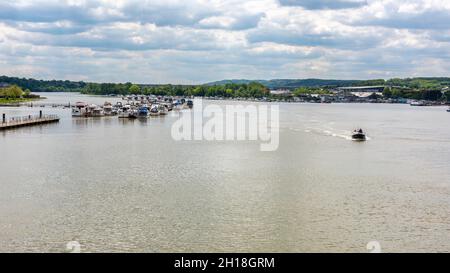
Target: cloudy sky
(196,41)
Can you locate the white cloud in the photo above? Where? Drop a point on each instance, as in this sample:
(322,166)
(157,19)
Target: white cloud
(195,41)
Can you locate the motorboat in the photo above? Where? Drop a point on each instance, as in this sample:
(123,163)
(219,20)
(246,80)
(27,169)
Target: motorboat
(168,106)
(133,113)
(184,104)
(358,135)
(162,109)
(108,109)
(125,111)
(97,111)
(177,105)
(417,103)
(143,111)
(154,111)
(80,109)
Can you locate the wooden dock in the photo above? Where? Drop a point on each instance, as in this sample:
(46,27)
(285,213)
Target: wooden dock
(37,105)
(24,121)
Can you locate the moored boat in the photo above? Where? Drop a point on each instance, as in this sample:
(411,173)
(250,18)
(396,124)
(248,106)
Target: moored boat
(162,109)
(417,103)
(190,104)
(143,111)
(108,109)
(97,111)
(125,111)
(177,105)
(133,113)
(80,109)
(154,111)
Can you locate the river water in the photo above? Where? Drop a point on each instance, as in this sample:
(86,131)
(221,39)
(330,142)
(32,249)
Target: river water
(126,186)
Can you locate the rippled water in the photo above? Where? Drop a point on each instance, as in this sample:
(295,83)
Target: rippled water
(116,185)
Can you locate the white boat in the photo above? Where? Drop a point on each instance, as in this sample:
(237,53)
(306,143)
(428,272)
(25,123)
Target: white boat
(80,109)
(177,105)
(162,109)
(108,109)
(133,113)
(417,103)
(154,110)
(125,111)
(97,111)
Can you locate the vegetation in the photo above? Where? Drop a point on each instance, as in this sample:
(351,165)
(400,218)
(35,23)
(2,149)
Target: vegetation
(307,91)
(415,94)
(409,88)
(44,86)
(291,84)
(14,94)
(253,89)
(446,96)
(419,83)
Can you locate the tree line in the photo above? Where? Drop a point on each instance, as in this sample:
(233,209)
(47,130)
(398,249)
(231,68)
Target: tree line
(253,89)
(409,88)
(44,86)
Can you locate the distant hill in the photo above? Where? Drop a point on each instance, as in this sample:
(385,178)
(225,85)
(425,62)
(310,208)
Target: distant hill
(418,83)
(430,83)
(293,83)
(44,85)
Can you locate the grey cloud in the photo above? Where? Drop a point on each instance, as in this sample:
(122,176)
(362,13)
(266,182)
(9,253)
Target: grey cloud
(46,13)
(95,12)
(436,19)
(120,38)
(333,40)
(50,28)
(324,4)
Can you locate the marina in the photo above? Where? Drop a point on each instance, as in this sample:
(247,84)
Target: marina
(132,107)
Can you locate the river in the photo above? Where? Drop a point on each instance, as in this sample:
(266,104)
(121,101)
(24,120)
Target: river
(126,186)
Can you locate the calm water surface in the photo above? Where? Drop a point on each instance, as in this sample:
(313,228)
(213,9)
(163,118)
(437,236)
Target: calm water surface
(119,185)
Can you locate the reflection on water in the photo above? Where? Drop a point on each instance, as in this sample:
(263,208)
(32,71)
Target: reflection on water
(124,185)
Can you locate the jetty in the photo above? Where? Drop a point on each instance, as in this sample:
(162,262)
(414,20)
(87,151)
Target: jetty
(24,121)
(37,105)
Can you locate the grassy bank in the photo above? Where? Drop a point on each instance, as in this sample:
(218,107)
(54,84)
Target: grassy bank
(15,100)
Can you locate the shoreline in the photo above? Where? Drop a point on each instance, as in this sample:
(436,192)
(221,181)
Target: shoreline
(18,102)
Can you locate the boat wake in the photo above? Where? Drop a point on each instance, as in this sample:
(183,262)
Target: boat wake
(342,134)
(315,126)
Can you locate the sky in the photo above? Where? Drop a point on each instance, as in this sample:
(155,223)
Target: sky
(198,41)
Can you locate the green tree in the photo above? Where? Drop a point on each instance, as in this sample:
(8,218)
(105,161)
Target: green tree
(13,92)
(447,96)
(134,89)
(27,93)
(387,92)
(432,95)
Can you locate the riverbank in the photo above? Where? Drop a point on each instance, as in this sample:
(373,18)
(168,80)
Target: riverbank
(16,102)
